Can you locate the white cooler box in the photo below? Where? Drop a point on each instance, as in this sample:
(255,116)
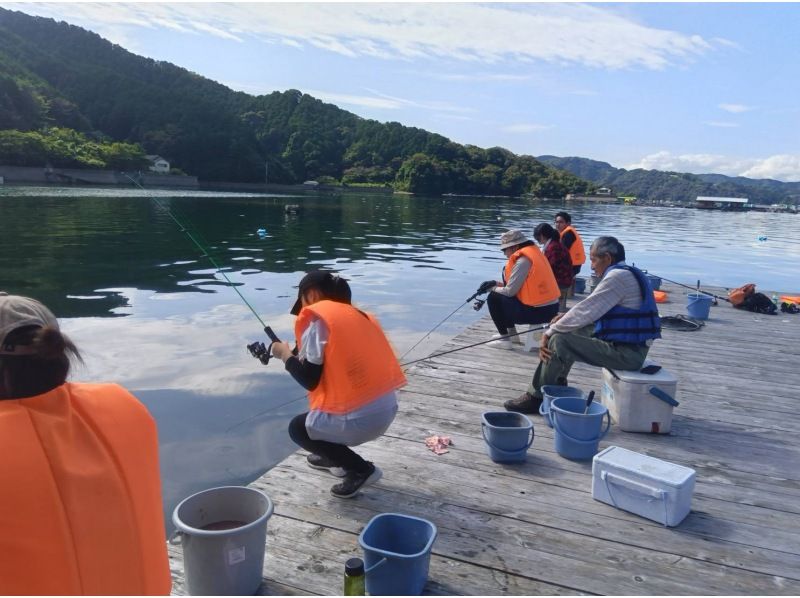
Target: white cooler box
(640,402)
(655,489)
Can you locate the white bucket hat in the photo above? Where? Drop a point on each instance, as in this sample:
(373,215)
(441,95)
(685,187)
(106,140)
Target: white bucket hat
(511,238)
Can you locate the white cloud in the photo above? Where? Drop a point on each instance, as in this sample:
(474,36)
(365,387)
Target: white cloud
(525,128)
(353,100)
(782,167)
(205,28)
(735,108)
(567,33)
(480,77)
(723,124)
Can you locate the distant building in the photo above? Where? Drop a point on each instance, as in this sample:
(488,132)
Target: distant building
(603,191)
(158,164)
(721,203)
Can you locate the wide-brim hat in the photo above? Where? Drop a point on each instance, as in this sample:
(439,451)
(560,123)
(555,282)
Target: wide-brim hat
(510,238)
(330,284)
(19,312)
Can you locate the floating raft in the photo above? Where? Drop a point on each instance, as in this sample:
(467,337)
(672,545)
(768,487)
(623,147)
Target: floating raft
(534,528)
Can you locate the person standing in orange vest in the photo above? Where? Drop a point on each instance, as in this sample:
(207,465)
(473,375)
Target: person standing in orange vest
(528,294)
(573,242)
(345,361)
(80,499)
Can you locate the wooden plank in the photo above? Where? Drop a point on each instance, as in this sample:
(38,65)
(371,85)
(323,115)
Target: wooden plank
(533,528)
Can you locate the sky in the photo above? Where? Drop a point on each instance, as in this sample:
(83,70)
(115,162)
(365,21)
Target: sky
(690,87)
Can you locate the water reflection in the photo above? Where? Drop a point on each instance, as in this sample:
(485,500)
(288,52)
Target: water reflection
(150,311)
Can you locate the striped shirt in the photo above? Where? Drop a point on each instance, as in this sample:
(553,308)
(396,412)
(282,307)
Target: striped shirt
(618,287)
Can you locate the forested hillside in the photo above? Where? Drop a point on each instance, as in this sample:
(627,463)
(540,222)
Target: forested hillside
(675,186)
(54,75)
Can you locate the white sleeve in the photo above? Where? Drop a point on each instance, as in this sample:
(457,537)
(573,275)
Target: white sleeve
(313,341)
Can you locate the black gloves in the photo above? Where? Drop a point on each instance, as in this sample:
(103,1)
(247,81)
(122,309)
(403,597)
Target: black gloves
(486,286)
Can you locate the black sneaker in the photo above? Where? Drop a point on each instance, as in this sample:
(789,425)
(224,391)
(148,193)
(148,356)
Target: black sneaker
(320,462)
(354,481)
(526,403)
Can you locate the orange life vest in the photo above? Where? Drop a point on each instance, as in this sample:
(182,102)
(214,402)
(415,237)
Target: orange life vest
(80,497)
(737,296)
(359,363)
(576,252)
(540,287)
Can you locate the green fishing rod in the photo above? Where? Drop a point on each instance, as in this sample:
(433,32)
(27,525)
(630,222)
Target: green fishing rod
(257,350)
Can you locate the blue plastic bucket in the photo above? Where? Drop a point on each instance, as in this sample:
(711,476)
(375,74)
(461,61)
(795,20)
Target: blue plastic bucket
(698,305)
(580,284)
(397,553)
(550,392)
(508,435)
(578,434)
(655,282)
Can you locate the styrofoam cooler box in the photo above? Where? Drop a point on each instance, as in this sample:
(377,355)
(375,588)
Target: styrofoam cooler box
(650,487)
(640,402)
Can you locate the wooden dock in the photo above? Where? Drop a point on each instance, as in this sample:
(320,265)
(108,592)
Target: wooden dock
(533,528)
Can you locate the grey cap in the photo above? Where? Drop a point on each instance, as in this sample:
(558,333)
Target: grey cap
(511,238)
(18,312)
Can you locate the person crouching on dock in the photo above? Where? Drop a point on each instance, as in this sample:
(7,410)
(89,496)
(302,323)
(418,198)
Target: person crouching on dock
(345,361)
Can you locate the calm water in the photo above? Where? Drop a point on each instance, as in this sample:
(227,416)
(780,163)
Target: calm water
(150,312)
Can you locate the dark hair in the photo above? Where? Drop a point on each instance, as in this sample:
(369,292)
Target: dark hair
(546,231)
(609,246)
(24,376)
(567,218)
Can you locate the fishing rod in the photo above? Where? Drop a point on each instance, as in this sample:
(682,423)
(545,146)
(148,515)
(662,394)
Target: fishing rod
(257,349)
(476,306)
(504,336)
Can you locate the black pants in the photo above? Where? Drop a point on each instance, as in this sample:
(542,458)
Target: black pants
(340,454)
(508,311)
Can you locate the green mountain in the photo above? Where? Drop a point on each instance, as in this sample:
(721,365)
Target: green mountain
(675,186)
(66,95)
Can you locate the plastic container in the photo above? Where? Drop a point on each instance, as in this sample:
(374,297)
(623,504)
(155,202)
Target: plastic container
(397,554)
(698,305)
(577,433)
(550,392)
(223,532)
(507,434)
(649,487)
(580,284)
(640,402)
(655,281)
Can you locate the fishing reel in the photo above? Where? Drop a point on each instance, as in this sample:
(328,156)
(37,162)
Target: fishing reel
(261,351)
(478,304)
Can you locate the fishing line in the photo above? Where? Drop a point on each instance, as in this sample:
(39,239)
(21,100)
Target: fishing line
(694,289)
(478,305)
(505,336)
(452,313)
(205,252)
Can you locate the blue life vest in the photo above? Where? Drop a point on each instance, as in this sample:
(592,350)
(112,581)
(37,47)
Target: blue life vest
(634,326)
